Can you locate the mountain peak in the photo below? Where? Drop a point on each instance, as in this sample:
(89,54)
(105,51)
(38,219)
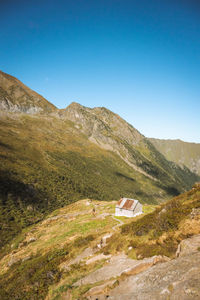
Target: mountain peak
(74,104)
(17,97)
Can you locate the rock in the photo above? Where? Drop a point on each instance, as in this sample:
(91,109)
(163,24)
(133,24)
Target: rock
(50,275)
(117,265)
(19,98)
(86,253)
(98,290)
(145,264)
(29,208)
(26,258)
(105,238)
(13,261)
(195,213)
(175,279)
(22,244)
(188,246)
(160,259)
(178,251)
(163,211)
(31,240)
(96,258)
(67,296)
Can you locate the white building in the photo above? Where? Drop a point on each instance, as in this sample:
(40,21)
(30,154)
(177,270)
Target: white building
(128,208)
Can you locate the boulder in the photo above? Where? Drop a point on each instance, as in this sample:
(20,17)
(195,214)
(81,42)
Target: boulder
(188,246)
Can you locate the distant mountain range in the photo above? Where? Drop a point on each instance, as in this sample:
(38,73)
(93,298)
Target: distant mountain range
(182,153)
(52,157)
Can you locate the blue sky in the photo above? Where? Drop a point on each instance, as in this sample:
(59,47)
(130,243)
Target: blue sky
(141,59)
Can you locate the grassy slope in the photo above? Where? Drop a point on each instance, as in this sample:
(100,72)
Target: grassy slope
(60,237)
(47,163)
(180,152)
(109,129)
(160,231)
(68,231)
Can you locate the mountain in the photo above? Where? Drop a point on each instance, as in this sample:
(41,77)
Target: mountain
(16,97)
(52,157)
(182,153)
(110,132)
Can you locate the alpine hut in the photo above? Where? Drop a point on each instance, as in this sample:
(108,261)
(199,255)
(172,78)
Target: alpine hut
(128,208)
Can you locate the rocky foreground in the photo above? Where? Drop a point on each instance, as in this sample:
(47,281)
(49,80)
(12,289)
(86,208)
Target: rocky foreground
(154,279)
(81,253)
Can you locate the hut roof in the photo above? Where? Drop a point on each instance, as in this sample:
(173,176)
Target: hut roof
(127,203)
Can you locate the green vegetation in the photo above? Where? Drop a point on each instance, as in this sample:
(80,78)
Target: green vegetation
(160,231)
(48,159)
(46,164)
(40,267)
(181,153)
(30,279)
(57,241)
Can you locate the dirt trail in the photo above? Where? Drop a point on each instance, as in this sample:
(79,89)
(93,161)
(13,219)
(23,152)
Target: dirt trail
(120,222)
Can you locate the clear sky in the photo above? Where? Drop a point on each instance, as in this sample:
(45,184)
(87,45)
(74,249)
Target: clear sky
(141,59)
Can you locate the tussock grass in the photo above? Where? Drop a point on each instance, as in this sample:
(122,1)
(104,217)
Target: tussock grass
(57,241)
(160,231)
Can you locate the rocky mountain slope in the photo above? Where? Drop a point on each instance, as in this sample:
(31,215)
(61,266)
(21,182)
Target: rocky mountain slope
(109,131)
(51,157)
(16,97)
(76,254)
(182,153)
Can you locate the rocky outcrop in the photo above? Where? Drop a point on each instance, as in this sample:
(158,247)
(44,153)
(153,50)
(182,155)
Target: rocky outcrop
(86,253)
(172,279)
(188,246)
(118,265)
(176,279)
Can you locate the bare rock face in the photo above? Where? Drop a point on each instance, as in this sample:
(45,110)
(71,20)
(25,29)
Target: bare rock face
(118,265)
(86,253)
(189,246)
(157,278)
(18,98)
(101,124)
(176,279)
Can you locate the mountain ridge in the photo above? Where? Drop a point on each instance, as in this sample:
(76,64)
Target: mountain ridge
(17,97)
(52,157)
(180,152)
